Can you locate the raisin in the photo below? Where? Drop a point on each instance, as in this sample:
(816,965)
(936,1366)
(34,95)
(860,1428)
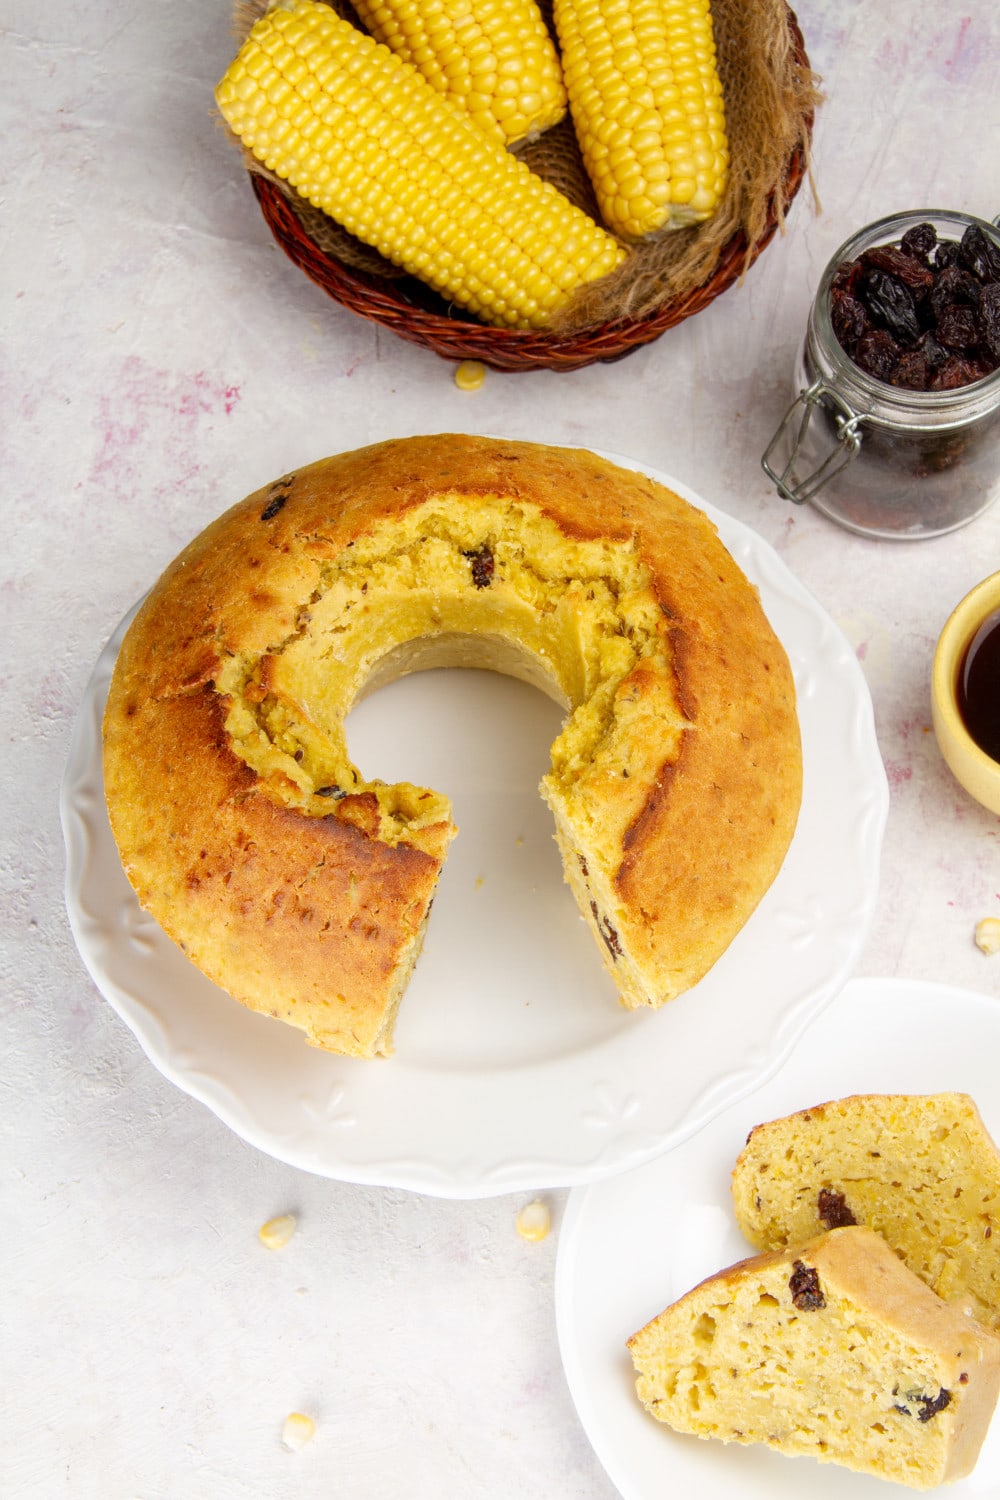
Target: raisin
(989,318)
(805,1288)
(913,371)
(930,1406)
(956,371)
(912,272)
(482,566)
(958,327)
(846,278)
(272,507)
(934,353)
(927,1406)
(850,320)
(833,1210)
(946,254)
(953,285)
(920,240)
(979,254)
(877,353)
(611,939)
(891,304)
(330,791)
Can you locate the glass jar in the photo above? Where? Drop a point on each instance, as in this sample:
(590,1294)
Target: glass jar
(879,459)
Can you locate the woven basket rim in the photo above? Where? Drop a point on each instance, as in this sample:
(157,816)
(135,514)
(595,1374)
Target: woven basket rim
(396,303)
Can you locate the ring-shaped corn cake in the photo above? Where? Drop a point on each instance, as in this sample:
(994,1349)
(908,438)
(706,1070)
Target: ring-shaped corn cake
(303,888)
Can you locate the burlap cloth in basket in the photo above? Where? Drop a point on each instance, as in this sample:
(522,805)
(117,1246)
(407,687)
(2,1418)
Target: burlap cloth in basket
(770,97)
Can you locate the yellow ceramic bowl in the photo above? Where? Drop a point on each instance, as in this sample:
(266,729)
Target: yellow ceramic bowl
(978,772)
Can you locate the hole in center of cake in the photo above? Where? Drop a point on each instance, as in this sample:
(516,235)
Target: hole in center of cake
(507,970)
(495,586)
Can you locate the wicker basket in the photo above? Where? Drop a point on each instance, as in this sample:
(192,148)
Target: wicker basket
(414,312)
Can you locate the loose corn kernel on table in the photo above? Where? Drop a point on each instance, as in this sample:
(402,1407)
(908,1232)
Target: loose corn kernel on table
(182,1315)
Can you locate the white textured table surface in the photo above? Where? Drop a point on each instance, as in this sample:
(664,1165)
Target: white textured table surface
(160,358)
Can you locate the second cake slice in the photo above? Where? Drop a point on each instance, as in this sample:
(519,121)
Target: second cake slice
(921,1169)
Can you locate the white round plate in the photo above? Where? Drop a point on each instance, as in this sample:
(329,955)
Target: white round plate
(630,1246)
(514,1066)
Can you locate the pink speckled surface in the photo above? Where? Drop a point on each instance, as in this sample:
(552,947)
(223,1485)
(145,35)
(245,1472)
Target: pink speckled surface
(159,359)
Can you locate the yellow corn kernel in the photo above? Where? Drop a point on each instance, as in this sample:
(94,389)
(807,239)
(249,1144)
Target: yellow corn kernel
(407,171)
(298,1430)
(988,935)
(276,1233)
(470,374)
(647,106)
(495,57)
(534,1220)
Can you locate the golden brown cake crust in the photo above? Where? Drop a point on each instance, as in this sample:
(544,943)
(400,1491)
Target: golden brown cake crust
(313,919)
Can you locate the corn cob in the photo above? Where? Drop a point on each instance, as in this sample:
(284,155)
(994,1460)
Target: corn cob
(362,135)
(647,106)
(495,56)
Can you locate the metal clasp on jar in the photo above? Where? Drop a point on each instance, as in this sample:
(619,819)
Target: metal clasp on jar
(848,423)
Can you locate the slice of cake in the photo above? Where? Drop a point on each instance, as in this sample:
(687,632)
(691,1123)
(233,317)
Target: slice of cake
(921,1169)
(831,1349)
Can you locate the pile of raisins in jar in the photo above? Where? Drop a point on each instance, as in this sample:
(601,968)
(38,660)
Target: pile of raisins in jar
(923,313)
